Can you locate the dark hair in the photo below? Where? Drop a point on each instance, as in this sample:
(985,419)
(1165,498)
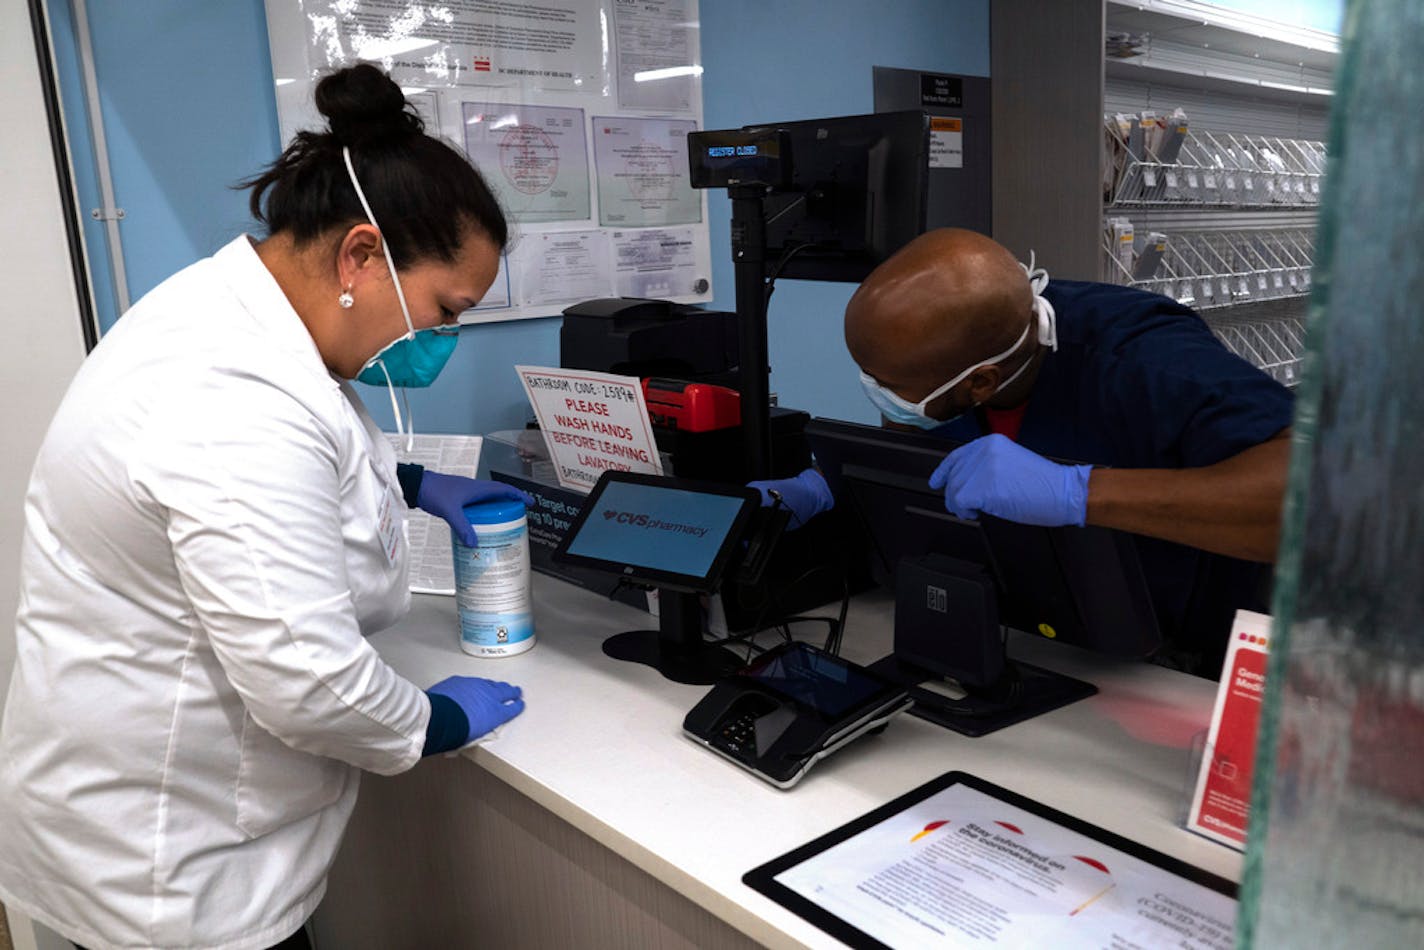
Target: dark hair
(425,195)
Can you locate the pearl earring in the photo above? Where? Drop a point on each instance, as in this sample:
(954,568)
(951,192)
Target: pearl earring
(346,300)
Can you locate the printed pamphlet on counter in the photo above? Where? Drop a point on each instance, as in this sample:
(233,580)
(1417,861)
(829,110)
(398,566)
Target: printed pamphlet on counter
(432,568)
(1222,796)
(592,422)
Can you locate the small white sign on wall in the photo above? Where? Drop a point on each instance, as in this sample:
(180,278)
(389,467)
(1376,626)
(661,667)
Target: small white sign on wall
(946,142)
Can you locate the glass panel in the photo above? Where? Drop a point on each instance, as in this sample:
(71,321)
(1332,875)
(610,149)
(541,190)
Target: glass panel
(1336,852)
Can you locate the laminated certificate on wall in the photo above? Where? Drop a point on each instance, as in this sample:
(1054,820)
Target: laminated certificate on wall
(961,862)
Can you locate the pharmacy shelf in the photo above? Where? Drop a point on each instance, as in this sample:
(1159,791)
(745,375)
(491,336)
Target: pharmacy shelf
(1220,49)
(1270,335)
(1221,170)
(1226,224)
(1206,270)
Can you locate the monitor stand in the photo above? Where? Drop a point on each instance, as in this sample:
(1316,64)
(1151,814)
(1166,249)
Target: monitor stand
(676,649)
(1022,692)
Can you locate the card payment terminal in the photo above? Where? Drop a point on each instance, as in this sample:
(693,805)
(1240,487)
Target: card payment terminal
(793,706)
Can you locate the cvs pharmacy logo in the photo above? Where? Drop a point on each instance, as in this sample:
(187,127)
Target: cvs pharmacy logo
(636,519)
(627,517)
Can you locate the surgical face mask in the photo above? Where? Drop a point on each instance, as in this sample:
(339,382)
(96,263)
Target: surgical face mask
(903,412)
(412,359)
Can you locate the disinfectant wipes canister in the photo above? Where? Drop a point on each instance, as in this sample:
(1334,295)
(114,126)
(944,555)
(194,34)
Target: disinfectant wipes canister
(492,581)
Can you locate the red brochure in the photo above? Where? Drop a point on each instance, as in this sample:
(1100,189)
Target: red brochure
(1222,797)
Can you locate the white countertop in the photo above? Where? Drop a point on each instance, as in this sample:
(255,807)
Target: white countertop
(600,744)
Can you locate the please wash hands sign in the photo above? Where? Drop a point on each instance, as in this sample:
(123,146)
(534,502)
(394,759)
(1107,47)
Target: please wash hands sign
(591,422)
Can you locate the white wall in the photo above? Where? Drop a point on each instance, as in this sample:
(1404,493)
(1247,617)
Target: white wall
(39,309)
(39,320)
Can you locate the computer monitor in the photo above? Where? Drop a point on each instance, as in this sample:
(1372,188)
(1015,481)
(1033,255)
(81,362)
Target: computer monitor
(1082,586)
(677,536)
(843,193)
(859,192)
(817,199)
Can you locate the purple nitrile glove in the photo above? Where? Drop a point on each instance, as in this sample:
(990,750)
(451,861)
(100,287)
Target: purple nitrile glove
(487,704)
(805,495)
(994,475)
(445,496)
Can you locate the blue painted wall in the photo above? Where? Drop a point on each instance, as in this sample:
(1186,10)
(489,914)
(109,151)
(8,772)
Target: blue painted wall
(802,59)
(189,110)
(186,113)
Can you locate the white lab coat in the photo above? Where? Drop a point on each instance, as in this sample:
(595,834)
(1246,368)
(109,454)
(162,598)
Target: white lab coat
(193,697)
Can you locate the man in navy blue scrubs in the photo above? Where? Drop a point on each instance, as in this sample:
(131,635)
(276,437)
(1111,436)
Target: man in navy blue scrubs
(1183,443)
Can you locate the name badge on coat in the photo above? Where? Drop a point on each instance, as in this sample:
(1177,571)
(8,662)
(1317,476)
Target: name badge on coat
(387,524)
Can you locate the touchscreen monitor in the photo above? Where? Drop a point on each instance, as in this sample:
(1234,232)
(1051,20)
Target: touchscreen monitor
(671,533)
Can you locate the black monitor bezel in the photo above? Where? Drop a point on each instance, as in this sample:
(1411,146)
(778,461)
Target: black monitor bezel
(892,222)
(707,583)
(904,461)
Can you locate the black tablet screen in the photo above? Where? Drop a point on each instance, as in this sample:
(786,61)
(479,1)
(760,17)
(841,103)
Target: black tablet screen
(826,684)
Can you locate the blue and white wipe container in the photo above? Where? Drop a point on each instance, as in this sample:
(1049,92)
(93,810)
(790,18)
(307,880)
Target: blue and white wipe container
(492,581)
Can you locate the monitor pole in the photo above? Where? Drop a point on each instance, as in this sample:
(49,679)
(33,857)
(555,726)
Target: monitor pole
(677,649)
(748,264)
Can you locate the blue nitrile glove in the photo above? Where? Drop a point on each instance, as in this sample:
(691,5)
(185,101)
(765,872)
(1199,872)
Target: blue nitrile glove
(463,708)
(445,496)
(805,496)
(996,476)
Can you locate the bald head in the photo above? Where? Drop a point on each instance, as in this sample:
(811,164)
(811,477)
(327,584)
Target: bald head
(944,300)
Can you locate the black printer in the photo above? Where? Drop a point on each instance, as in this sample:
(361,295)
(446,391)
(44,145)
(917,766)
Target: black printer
(633,336)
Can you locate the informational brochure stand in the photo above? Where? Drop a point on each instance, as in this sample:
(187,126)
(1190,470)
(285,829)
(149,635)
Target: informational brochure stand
(1221,796)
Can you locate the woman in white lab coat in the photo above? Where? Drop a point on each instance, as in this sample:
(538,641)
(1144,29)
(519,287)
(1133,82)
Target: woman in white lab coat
(212,524)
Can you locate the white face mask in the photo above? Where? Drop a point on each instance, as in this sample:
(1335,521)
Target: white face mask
(900,410)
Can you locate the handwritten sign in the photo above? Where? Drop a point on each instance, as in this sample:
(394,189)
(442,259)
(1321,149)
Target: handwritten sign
(591,422)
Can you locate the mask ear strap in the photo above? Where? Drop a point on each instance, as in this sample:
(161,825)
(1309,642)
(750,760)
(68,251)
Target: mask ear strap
(1037,276)
(395,408)
(385,245)
(1043,310)
(1047,323)
(1008,382)
(409,418)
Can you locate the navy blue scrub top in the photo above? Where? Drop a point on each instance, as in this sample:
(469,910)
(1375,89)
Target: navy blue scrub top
(1140,381)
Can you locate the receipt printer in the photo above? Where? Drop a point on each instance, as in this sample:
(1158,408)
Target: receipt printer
(634,336)
(692,407)
(791,707)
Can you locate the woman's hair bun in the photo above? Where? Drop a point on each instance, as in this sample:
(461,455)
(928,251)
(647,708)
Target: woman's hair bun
(362,105)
